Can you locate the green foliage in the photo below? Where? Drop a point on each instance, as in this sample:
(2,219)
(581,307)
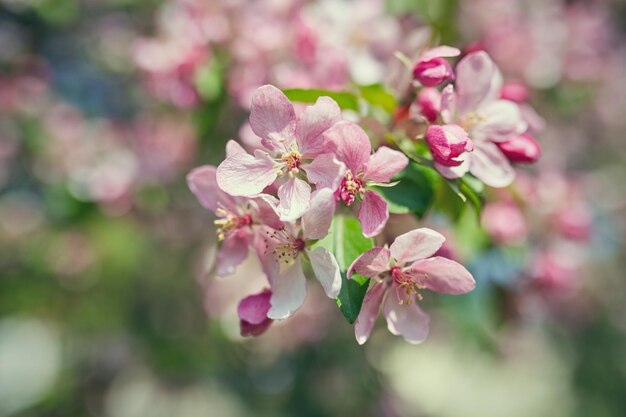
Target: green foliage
(345,240)
(414,193)
(376,95)
(346,100)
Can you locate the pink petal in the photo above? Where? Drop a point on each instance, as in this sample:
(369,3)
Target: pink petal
(477,80)
(203,184)
(457,171)
(233,251)
(288,291)
(295,196)
(265,211)
(350,144)
(272,117)
(248,329)
(373,214)
(371,263)
(326,270)
(416,244)
(325,171)
(448,104)
(521,149)
(489,165)
(313,122)
(245,175)
(316,220)
(253,309)
(406,320)
(444,275)
(233,147)
(440,51)
(369,312)
(502,119)
(384,164)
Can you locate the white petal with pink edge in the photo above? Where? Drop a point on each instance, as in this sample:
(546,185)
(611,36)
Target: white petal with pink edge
(326,271)
(444,275)
(369,312)
(416,244)
(242,174)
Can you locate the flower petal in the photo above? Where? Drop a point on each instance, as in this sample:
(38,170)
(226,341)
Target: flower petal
(233,251)
(448,104)
(242,174)
(457,171)
(489,164)
(295,196)
(371,263)
(440,51)
(350,144)
(373,214)
(288,291)
(406,320)
(369,312)
(233,147)
(502,119)
(416,244)
(272,117)
(444,275)
(316,220)
(203,185)
(313,122)
(253,309)
(477,80)
(326,271)
(325,171)
(384,164)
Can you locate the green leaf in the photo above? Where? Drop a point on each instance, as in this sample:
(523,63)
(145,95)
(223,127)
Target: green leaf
(346,242)
(414,193)
(344,99)
(351,295)
(376,95)
(472,189)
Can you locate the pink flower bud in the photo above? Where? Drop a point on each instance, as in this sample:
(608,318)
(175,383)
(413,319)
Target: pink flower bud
(434,72)
(447,143)
(252,311)
(505,223)
(432,68)
(429,103)
(515,91)
(522,149)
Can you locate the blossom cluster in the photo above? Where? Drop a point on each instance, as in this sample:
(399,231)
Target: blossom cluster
(478,125)
(280,200)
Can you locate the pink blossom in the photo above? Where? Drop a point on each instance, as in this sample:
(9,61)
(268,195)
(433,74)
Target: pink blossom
(521,149)
(352,147)
(292,146)
(505,223)
(400,273)
(428,104)
(476,107)
(432,69)
(515,91)
(239,219)
(252,311)
(283,249)
(447,143)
